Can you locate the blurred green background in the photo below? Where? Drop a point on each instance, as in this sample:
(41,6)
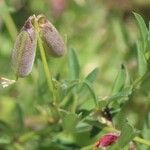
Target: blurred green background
(103,33)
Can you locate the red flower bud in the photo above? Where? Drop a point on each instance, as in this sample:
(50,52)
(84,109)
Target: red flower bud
(107,140)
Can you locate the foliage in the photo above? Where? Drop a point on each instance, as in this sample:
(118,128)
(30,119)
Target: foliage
(70,102)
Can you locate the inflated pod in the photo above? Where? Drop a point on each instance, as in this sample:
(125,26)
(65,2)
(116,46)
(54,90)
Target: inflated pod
(52,40)
(23,53)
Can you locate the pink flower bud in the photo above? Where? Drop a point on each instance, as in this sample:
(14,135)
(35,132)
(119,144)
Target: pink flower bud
(107,140)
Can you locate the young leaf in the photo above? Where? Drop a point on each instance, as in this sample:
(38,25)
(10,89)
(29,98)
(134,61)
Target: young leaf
(120,81)
(74,68)
(143,28)
(142,63)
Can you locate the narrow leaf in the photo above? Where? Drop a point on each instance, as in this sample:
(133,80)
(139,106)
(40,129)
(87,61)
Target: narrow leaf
(142,27)
(142,63)
(120,80)
(74,68)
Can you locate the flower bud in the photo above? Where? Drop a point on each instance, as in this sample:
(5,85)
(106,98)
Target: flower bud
(52,40)
(23,54)
(107,140)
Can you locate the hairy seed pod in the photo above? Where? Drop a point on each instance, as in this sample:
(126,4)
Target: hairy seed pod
(52,40)
(23,54)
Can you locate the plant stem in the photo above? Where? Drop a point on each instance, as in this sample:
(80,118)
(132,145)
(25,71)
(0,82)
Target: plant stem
(46,68)
(9,21)
(142,141)
(45,64)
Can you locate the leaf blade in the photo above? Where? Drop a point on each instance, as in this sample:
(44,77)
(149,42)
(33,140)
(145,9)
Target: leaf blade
(74,67)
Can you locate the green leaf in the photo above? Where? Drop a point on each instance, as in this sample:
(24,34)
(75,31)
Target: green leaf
(83,136)
(69,121)
(87,84)
(74,68)
(92,75)
(122,94)
(143,28)
(120,81)
(5,140)
(127,134)
(119,120)
(142,63)
(89,79)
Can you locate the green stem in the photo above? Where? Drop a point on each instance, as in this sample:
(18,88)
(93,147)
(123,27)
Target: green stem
(9,21)
(142,141)
(46,68)
(45,64)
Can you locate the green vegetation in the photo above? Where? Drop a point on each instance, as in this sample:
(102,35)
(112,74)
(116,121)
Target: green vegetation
(99,87)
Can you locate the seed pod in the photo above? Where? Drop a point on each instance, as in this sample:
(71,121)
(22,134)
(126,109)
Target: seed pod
(23,54)
(52,40)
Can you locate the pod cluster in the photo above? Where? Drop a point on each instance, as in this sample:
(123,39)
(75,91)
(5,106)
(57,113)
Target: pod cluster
(23,53)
